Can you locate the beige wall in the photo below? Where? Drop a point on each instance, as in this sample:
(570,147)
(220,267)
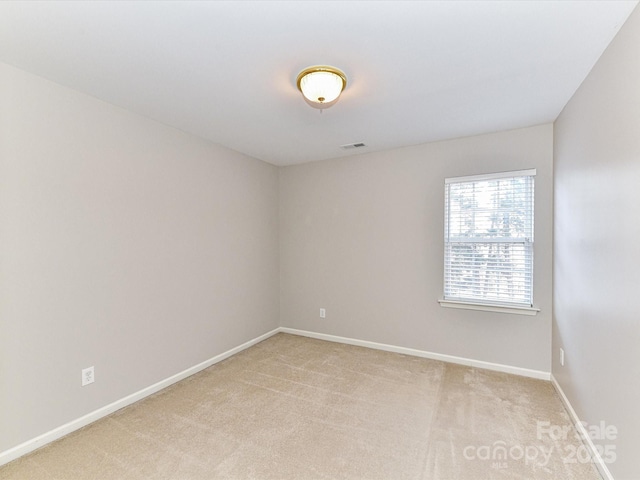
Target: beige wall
(597,249)
(363,238)
(124,244)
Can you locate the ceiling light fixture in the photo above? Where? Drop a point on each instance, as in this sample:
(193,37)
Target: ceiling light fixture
(321,85)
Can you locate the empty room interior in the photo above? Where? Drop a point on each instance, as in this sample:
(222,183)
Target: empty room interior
(211,267)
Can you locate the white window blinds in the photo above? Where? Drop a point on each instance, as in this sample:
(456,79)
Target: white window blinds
(489,239)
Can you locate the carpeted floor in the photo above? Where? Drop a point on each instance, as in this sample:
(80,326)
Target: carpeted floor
(297,408)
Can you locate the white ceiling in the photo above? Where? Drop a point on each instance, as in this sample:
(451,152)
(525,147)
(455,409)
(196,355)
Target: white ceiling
(418,71)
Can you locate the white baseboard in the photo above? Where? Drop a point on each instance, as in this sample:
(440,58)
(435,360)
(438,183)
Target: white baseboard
(56,433)
(586,439)
(525,372)
(48,437)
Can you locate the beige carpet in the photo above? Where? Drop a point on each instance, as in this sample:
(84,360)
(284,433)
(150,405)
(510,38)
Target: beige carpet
(296,408)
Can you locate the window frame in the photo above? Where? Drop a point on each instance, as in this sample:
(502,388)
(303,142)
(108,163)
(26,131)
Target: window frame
(479,304)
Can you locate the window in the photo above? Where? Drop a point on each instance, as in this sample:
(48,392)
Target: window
(488,258)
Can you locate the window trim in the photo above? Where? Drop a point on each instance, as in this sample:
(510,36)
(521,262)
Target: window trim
(488,306)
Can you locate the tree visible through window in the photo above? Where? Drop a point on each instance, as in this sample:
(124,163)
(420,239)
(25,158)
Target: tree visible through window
(489,239)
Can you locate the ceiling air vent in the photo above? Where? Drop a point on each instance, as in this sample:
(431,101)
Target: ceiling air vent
(350,146)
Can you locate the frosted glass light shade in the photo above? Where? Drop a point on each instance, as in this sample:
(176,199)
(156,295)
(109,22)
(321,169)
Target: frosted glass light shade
(321,85)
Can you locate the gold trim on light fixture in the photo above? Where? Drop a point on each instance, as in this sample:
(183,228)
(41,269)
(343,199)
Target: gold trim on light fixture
(325,93)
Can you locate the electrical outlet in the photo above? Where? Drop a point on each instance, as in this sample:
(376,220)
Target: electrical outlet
(88,376)
(562,357)
(323,313)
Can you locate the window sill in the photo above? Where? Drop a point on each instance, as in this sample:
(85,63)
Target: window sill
(488,308)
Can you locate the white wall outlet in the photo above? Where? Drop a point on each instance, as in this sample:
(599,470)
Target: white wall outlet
(323,313)
(88,376)
(562,357)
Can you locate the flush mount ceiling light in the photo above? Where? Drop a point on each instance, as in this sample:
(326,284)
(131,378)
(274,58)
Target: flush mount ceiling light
(321,85)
